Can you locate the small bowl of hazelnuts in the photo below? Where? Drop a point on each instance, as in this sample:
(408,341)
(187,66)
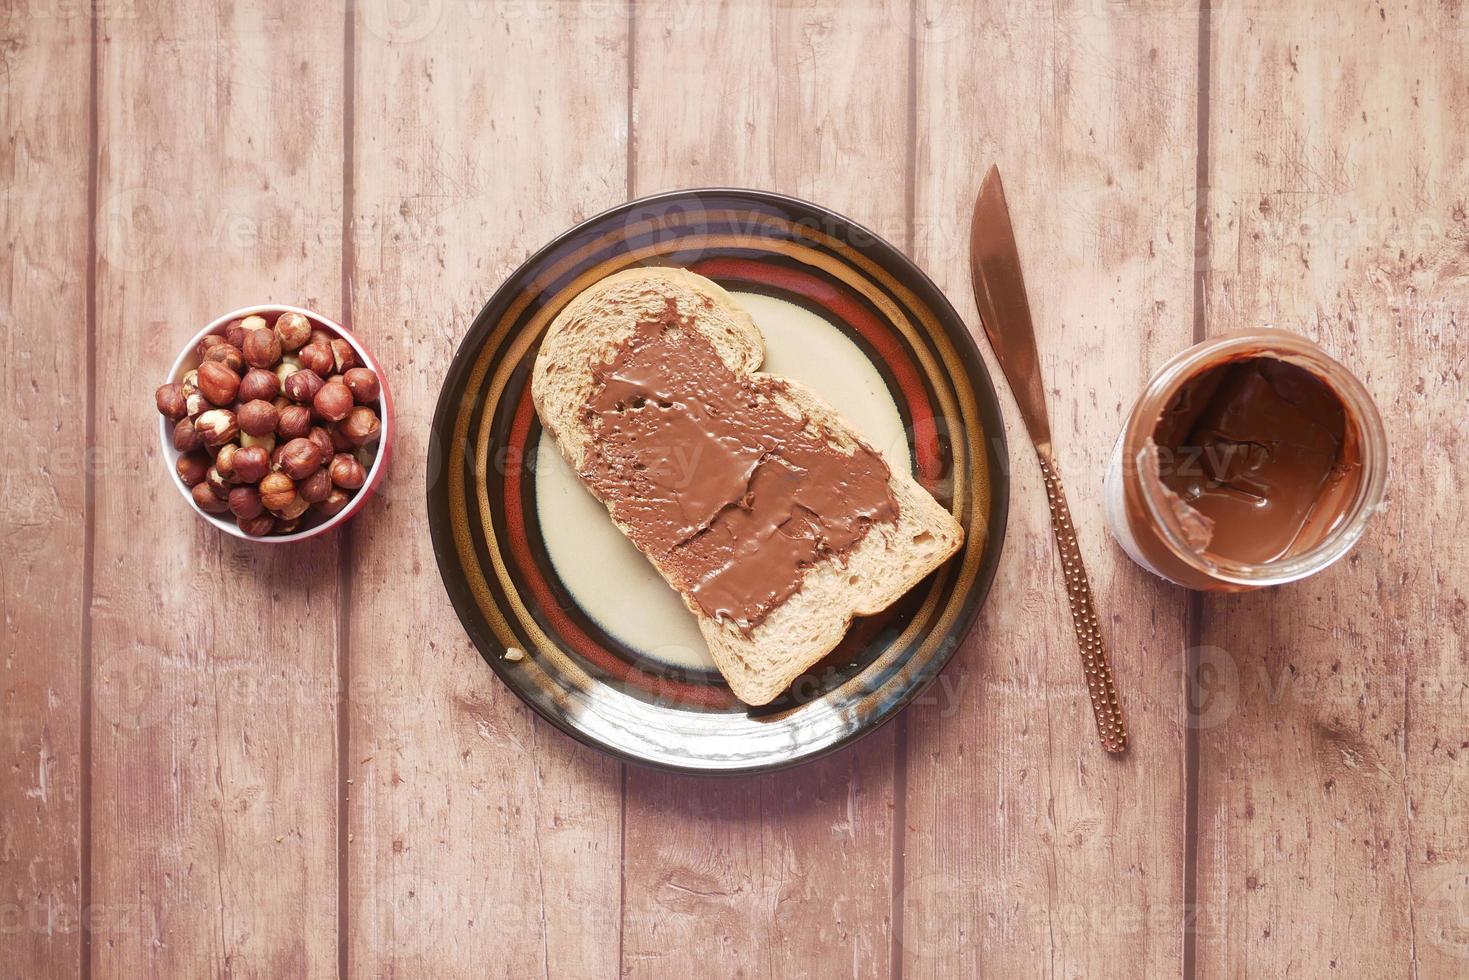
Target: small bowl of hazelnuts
(276,423)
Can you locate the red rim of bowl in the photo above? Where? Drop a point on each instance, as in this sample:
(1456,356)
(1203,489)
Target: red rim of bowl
(379,463)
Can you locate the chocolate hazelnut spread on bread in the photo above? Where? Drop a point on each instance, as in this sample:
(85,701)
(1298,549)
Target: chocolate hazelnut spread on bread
(711,474)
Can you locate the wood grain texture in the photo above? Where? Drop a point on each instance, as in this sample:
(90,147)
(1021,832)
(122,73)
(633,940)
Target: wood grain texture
(784,875)
(1332,797)
(483,841)
(45,231)
(214,763)
(1029,851)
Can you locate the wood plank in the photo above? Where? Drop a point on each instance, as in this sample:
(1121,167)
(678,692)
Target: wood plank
(1028,850)
(45,231)
(483,842)
(787,875)
(1332,798)
(214,765)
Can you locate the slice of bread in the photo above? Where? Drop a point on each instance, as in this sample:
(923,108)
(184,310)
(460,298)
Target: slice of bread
(888,561)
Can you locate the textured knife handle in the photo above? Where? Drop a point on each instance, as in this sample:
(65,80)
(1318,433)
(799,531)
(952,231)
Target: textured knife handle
(1099,683)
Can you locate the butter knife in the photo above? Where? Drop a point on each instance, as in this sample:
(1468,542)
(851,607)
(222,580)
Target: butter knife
(999,290)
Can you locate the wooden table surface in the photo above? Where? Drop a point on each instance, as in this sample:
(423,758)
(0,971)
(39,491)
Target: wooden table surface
(218,758)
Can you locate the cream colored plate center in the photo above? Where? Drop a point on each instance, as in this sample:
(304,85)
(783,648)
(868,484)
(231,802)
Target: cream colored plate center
(610,579)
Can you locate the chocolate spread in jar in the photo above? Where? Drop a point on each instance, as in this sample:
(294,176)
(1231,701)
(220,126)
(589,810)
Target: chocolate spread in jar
(732,497)
(1253,452)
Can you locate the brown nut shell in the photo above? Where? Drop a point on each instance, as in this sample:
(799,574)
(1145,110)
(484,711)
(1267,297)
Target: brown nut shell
(258,526)
(334,502)
(344,355)
(302,386)
(332,402)
(300,458)
(207,342)
(346,472)
(277,491)
(217,426)
(294,422)
(293,329)
(323,440)
(262,346)
(218,383)
(171,401)
(192,468)
(244,502)
(363,384)
(257,418)
(185,438)
(251,463)
(229,355)
(361,427)
(317,357)
(316,487)
(259,384)
(207,500)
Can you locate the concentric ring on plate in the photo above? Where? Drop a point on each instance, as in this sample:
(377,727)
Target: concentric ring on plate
(482,495)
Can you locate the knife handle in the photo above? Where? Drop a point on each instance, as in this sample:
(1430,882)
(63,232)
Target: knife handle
(1099,682)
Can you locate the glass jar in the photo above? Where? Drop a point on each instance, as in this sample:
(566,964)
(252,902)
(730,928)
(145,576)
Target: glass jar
(1162,532)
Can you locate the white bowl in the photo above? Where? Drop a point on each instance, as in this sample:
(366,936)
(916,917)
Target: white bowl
(188,360)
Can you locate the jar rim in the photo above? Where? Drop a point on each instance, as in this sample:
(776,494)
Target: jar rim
(1362,415)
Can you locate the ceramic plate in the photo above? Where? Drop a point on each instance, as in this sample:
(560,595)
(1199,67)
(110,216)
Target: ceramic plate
(569,614)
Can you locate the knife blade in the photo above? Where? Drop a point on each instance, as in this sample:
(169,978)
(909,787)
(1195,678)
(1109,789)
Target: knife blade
(1004,310)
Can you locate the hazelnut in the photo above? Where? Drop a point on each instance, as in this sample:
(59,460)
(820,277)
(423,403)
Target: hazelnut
(224,461)
(283,526)
(196,403)
(217,426)
(208,502)
(361,426)
(189,382)
(340,442)
(363,384)
(259,384)
(192,468)
(293,329)
(316,487)
(277,491)
(294,422)
(300,458)
(258,418)
(323,440)
(317,357)
(229,355)
(344,355)
(266,442)
(284,371)
(207,342)
(332,402)
(333,503)
(171,400)
(216,482)
(346,472)
(254,322)
(185,439)
(262,347)
(234,333)
(293,510)
(218,383)
(244,502)
(258,526)
(303,386)
(321,335)
(251,463)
